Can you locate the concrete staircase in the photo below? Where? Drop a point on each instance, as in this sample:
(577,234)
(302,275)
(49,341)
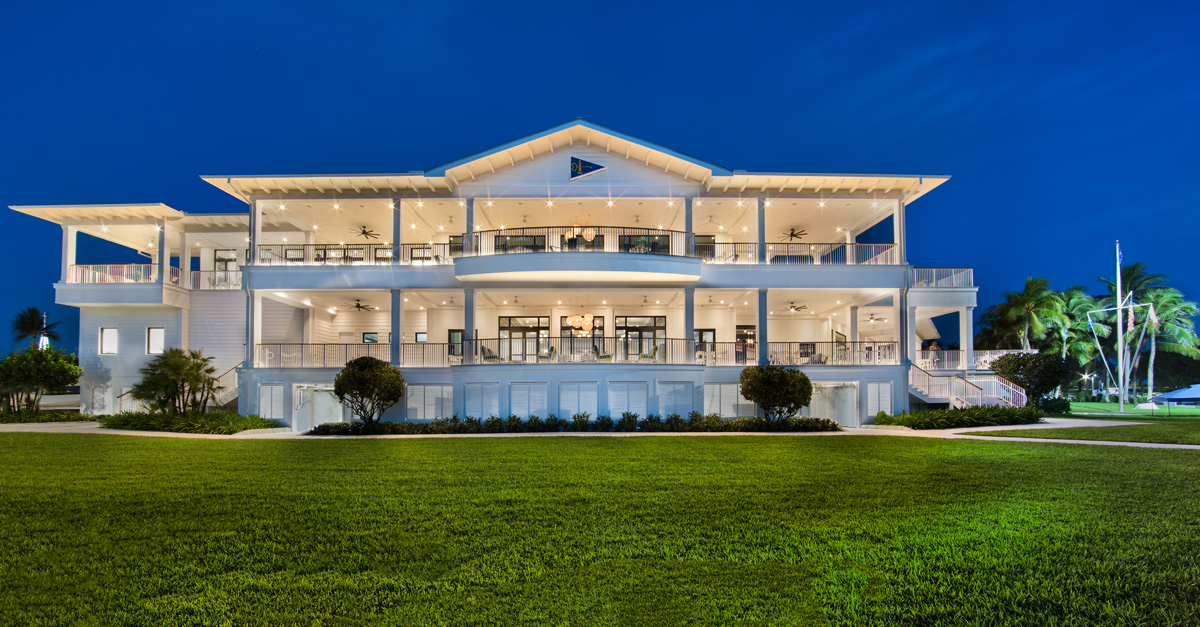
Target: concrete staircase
(964,390)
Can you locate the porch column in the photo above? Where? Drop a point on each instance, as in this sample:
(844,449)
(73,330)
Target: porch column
(468,318)
(966,336)
(853,323)
(689,313)
(468,243)
(397,230)
(687,227)
(762,238)
(397,338)
(914,343)
(851,249)
(70,235)
(760,332)
(253,327)
(898,233)
(162,260)
(255,231)
(185,261)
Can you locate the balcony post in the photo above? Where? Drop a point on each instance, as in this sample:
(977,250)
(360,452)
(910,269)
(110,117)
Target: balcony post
(253,327)
(162,260)
(898,233)
(255,232)
(853,323)
(70,235)
(397,338)
(762,236)
(468,318)
(966,337)
(185,261)
(914,343)
(397,230)
(689,314)
(689,238)
(468,237)
(760,333)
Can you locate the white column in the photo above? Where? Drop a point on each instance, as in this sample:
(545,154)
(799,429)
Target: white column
(163,258)
(185,261)
(397,338)
(689,313)
(253,327)
(255,230)
(70,235)
(760,334)
(898,233)
(966,336)
(687,227)
(851,249)
(397,230)
(854,323)
(469,229)
(468,318)
(911,336)
(762,230)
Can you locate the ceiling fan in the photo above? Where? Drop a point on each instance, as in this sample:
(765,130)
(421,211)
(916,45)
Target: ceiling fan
(793,234)
(358,306)
(873,319)
(364,233)
(792,307)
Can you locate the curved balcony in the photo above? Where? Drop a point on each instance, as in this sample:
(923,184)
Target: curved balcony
(569,255)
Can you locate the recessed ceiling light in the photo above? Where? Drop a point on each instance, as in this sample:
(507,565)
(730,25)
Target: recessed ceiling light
(603,302)
(822,204)
(739,203)
(391,205)
(670,203)
(285,239)
(610,203)
(489,203)
(315,227)
(282,207)
(414,226)
(549,203)
(768,203)
(420,203)
(336,206)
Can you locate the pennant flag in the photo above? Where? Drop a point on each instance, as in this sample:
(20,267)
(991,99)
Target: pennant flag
(1131,319)
(1120,257)
(581,168)
(1153,317)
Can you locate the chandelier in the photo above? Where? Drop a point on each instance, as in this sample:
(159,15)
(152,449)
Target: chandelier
(587,233)
(582,322)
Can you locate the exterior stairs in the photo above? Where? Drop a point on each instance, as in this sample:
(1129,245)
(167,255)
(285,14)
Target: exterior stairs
(964,390)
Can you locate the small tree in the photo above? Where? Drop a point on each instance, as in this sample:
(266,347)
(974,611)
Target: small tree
(1038,373)
(779,392)
(176,382)
(369,386)
(26,375)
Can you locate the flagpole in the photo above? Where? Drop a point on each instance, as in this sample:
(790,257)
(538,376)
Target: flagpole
(1120,338)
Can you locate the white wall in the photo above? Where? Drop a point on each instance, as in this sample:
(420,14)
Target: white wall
(281,323)
(217,326)
(121,370)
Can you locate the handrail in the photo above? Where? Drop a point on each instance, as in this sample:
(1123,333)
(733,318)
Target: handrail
(943,277)
(831,254)
(311,355)
(834,353)
(582,239)
(496,351)
(113,273)
(221,397)
(206,280)
(357,254)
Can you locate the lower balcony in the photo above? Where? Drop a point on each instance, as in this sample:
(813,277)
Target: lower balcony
(956,360)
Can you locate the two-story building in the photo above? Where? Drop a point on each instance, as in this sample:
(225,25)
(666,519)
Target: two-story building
(578,269)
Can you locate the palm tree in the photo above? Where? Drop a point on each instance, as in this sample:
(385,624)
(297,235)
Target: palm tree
(1136,281)
(995,330)
(1073,332)
(31,323)
(1175,326)
(1032,308)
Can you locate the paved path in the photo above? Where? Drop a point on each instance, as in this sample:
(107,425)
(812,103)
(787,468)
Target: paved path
(950,434)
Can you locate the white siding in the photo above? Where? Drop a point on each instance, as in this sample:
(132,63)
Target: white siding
(217,327)
(527,399)
(281,323)
(578,397)
(481,400)
(627,396)
(674,398)
(131,324)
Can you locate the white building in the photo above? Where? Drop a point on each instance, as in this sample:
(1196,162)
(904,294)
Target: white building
(575,270)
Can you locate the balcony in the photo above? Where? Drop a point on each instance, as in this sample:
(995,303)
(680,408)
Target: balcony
(943,277)
(357,254)
(415,355)
(834,353)
(836,254)
(107,274)
(209,280)
(941,360)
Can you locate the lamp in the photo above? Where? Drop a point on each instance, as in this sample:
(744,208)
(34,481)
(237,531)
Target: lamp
(589,234)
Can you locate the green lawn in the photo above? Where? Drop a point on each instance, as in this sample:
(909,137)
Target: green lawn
(1112,408)
(1164,431)
(842,530)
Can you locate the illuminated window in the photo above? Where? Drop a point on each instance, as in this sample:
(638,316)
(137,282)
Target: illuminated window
(155,339)
(108,340)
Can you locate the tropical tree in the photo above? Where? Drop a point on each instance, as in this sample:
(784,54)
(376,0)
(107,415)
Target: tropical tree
(26,375)
(1136,282)
(779,392)
(1072,331)
(177,382)
(1174,326)
(369,386)
(996,331)
(30,323)
(1032,308)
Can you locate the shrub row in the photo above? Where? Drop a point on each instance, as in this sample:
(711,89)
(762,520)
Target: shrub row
(628,422)
(9,418)
(218,422)
(1057,405)
(961,418)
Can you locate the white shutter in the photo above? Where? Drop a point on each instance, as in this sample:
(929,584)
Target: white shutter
(577,398)
(481,400)
(588,399)
(444,407)
(537,399)
(270,401)
(712,398)
(674,398)
(742,407)
(415,407)
(627,396)
(518,399)
(879,397)
(433,394)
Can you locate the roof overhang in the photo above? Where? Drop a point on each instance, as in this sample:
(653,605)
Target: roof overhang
(63,214)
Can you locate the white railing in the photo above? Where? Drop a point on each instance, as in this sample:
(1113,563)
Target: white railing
(838,254)
(113,273)
(834,353)
(940,360)
(963,393)
(412,355)
(174,276)
(227,386)
(943,277)
(357,254)
(1001,389)
(582,239)
(984,359)
(728,253)
(216,280)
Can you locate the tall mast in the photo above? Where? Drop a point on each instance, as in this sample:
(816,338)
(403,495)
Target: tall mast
(1120,337)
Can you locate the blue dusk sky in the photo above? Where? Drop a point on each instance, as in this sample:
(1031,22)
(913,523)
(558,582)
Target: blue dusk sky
(1065,125)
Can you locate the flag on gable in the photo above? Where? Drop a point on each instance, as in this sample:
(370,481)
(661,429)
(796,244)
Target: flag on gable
(581,168)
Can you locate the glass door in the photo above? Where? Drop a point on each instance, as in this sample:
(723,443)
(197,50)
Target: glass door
(523,338)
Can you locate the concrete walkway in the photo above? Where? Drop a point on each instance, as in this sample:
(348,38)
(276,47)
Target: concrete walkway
(949,434)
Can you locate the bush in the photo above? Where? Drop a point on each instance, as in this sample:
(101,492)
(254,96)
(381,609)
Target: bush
(604,423)
(26,375)
(25,416)
(651,424)
(581,422)
(554,424)
(493,425)
(1055,405)
(219,422)
(674,423)
(1038,373)
(627,422)
(453,424)
(779,392)
(369,387)
(967,417)
(534,425)
(514,424)
(177,382)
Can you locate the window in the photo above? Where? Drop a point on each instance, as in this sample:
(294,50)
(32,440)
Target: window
(674,398)
(627,396)
(108,340)
(270,401)
(426,402)
(527,399)
(155,338)
(577,398)
(370,338)
(454,337)
(566,330)
(879,397)
(523,338)
(481,400)
(422,336)
(725,399)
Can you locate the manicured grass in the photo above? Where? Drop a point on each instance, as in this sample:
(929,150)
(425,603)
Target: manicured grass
(842,530)
(1112,408)
(43,416)
(1177,431)
(217,422)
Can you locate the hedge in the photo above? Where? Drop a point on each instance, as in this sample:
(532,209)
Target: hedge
(217,422)
(961,418)
(43,416)
(629,422)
